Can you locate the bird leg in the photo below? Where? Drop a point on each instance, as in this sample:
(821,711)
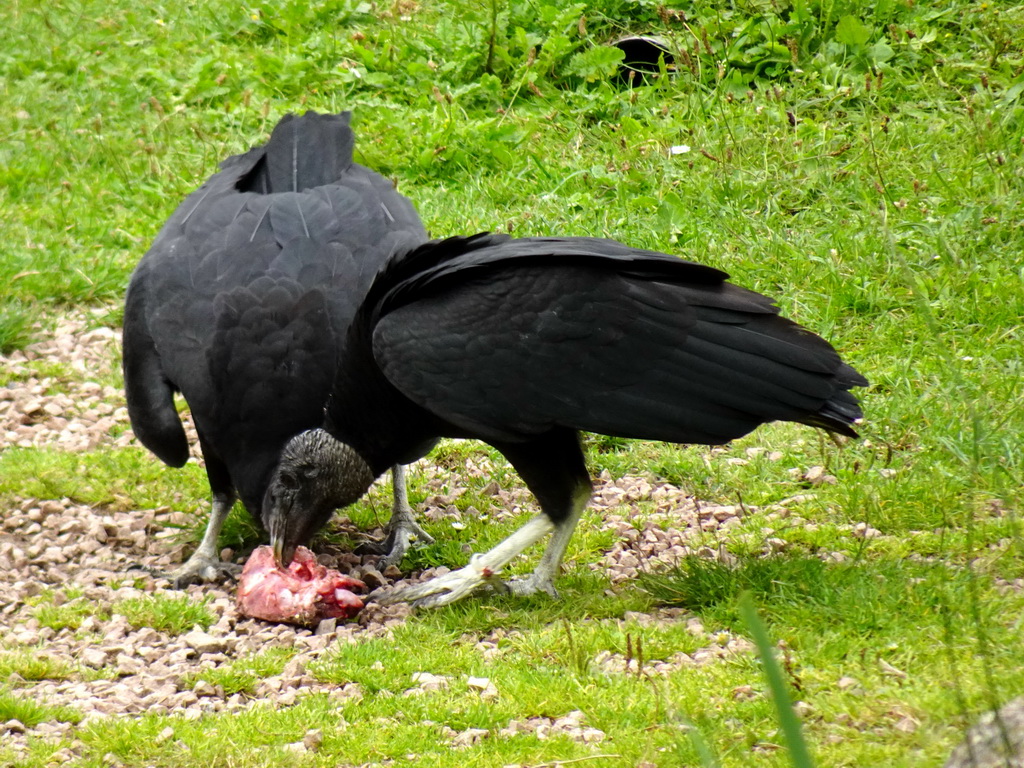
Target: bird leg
(482,570)
(543,577)
(402,529)
(205,564)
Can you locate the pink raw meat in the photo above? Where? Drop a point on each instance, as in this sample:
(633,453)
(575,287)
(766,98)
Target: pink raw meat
(303,593)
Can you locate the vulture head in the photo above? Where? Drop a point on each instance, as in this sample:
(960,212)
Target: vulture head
(316,475)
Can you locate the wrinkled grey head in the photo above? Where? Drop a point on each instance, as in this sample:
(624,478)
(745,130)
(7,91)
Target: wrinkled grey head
(316,475)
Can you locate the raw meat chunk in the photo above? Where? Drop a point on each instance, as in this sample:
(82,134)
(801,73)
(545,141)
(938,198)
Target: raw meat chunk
(303,593)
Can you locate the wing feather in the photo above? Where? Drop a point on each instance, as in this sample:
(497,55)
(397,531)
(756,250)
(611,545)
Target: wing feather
(611,345)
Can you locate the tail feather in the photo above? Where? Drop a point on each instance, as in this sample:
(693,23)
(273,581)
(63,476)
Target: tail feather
(841,411)
(303,152)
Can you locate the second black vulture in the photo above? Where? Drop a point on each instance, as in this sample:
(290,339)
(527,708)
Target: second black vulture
(242,304)
(524,344)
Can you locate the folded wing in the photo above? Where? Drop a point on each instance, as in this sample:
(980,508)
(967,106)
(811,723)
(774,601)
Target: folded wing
(515,337)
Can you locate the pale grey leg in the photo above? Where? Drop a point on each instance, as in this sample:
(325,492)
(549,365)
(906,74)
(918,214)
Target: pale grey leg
(402,529)
(543,577)
(483,569)
(205,564)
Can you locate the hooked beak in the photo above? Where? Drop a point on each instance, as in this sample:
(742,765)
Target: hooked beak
(283,553)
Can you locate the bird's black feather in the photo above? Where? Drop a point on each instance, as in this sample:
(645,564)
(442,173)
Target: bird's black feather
(243,298)
(507,339)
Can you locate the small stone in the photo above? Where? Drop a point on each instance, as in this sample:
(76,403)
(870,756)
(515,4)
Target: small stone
(327,627)
(51,507)
(313,739)
(204,688)
(814,475)
(14,726)
(429,682)
(201,642)
(907,724)
(469,737)
(31,406)
(287,698)
(373,578)
(848,683)
(165,735)
(865,531)
(62,756)
(93,657)
(127,666)
(483,685)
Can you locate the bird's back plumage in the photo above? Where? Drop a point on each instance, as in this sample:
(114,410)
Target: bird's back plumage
(242,299)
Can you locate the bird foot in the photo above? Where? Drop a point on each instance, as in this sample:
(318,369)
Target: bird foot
(531,585)
(447,589)
(196,570)
(393,548)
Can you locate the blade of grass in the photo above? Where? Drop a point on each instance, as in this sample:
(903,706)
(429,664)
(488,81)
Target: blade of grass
(701,747)
(799,754)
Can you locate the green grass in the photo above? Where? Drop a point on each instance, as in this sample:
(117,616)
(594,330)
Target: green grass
(33,665)
(243,675)
(780,689)
(69,615)
(171,615)
(858,161)
(17,707)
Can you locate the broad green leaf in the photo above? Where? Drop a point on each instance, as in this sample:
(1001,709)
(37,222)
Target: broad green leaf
(850,31)
(880,52)
(597,63)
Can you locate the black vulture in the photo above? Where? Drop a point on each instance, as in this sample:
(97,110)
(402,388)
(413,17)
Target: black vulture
(524,344)
(242,302)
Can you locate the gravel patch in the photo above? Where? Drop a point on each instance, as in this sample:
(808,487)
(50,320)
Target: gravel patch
(75,412)
(661,537)
(721,645)
(64,555)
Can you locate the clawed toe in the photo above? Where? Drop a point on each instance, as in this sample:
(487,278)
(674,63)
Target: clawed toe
(531,585)
(195,571)
(396,544)
(206,573)
(443,590)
